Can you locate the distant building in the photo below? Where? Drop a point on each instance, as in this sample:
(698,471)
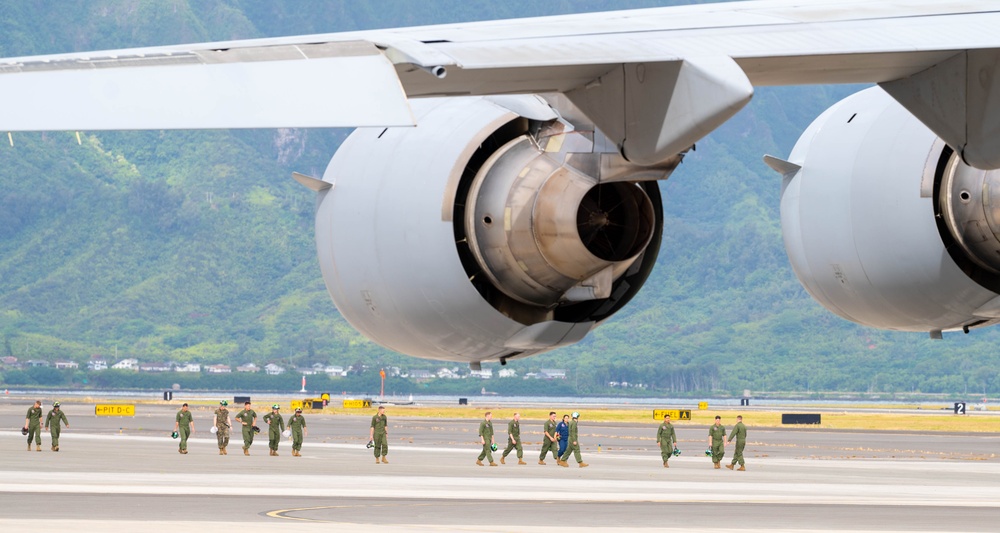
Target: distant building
(66,365)
(446,373)
(188,367)
(154,367)
(249,367)
(421,374)
(485,373)
(507,373)
(334,370)
(97,364)
(272,369)
(307,371)
(36,363)
(8,360)
(218,369)
(552,373)
(126,364)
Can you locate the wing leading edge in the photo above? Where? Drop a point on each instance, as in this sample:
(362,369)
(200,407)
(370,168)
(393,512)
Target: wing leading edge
(364,78)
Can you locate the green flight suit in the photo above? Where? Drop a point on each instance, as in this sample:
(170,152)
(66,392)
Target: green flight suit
(295,423)
(486,432)
(222,427)
(549,444)
(740,434)
(380,435)
(52,424)
(667,439)
(573,444)
(718,434)
(184,420)
(275,425)
(248,417)
(34,418)
(514,439)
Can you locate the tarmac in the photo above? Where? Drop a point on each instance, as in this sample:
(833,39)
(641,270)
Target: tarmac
(124,474)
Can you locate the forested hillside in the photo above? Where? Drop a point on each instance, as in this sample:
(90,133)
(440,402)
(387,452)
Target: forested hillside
(197,246)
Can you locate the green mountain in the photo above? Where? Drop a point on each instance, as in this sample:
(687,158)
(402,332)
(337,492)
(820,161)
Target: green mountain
(197,245)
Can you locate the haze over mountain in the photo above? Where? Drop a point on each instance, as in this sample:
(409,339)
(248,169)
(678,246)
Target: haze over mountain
(197,245)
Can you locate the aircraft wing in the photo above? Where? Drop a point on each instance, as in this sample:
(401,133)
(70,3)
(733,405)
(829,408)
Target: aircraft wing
(614,66)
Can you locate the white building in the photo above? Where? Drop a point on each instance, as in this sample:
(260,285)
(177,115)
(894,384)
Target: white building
(188,367)
(447,373)
(126,364)
(334,370)
(485,373)
(249,367)
(97,364)
(218,369)
(64,365)
(507,373)
(552,373)
(272,369)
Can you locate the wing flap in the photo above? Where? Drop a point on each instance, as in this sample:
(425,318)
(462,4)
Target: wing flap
(321,85)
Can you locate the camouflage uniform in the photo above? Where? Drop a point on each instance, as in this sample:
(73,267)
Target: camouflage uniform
(247,416)
(222,426)
(184,420)
(740,434)
(718,434)
(667,439)
(574,443)
(296,423)
(513,440)
(380,435)
(52,424)
(34,418)
(547,443)
(486,432)
(275,425)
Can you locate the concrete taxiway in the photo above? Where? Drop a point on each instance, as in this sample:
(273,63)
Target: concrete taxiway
(124,474)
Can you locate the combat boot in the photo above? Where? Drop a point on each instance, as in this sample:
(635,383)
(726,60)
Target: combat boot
(221,452)
(502,460)
(225,451)
(494,464)
(729,467)
(38,448)
(560,462)
(742,468)
(29,446)
(665,465)
(520,462)
(541,462)
(52,448)
(583,465)
(377,461)
(246,451)
(717,465)
(384,461)
(480,463)
(56,449)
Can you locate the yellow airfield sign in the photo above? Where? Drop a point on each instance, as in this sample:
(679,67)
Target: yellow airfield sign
(675,414)
(114,410)
(357,404)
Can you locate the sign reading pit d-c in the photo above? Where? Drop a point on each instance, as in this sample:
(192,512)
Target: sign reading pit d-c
(114,410)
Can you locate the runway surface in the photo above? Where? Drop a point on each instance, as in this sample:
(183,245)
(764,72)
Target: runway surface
(124,474)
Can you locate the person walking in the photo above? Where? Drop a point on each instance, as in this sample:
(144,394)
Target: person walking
(33,423)
(222,427)
(297,424)
(514,440)
(379,434)
(549,439)
(52,424)
(563,430)
(574,443)
(486,439)
(740,434)
(275,425)
(667,439)
(247,417)
(184,426)
(717,441)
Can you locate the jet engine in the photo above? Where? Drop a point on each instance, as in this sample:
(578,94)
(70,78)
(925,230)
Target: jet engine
(494,229)
(886,226)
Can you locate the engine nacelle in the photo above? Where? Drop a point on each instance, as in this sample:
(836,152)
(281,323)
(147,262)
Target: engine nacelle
(885,226)
(481,234)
